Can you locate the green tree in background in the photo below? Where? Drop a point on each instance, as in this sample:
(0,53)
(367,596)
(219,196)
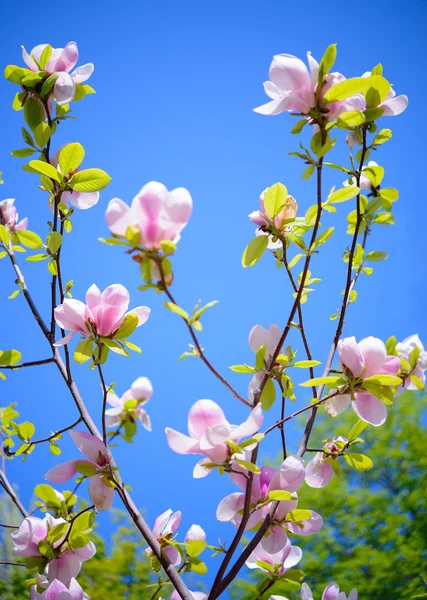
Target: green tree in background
(374,536)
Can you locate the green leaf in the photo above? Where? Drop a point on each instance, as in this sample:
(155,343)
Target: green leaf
(383,136)
(116,347)
(265,565)
(132,346)
(128,326)
(360,462)
(177,310)
(376,256)
(26,430)
(71,157)
(299,126)
(4,235)
(248,466)
(54,241)
(85,468)
(356,430)
(45,56)
(385,218)
(48,84)
(57,533)
(345,89)
(308,172)
(417,381)
(324,236)
(305,364)
(279,495)
(29,239)
(15,74)
(372,114)
(42,134)
(414,356)
(254,250)
(45,169)
(260,357)
(52,267)
(391,345)
(33,113)
(22,152)
(343,194)
(390,194)
(10,357)
(198,566)
(242,369)
(295,259)
(133,236)
(328,60)
(299,514)
(46,493)
(268,395)
(351,119)
(14,294)
(381,392)
(195,547)
(89,180)
(330,381)
(383,379)
(275,199)
(83,351)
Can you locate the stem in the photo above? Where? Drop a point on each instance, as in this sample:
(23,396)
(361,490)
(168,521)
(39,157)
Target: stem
(51,437)
(67,536)
(14,564)
(4,482)
(196,341)
(282,417)
(34,363)
(9,526)
(270,584)
(104,401)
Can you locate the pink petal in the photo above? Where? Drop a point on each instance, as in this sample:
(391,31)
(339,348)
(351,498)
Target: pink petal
(142,388)
(81,200)
(101,495)
(351,355)
(86,552)
(173,555)
(293,557)
(204,414)
(391,365)
(92,447)
(395,106)
(68,58)
(229,506)
(337,405)
(83,73)
(67,338)
(36,52)
(161,522)
(374,353)
(290,74)
(306,592)
(195,533)
(289,476)
(142,312)
(71,314)
(64,88)
(275,541)
(331,592)
(310,526)
(318,473)
(370,409)
(180,443)
(55,590)
(173,523)
(65,471)
(118,216)
(251,425)
(64,568)
(179,205)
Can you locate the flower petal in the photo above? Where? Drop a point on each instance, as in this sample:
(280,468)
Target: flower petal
(101,495)
(180,443)
(337,405)
(64,471)
(374,353)
(370,409)
(204,414)
(64,88)
(92,447)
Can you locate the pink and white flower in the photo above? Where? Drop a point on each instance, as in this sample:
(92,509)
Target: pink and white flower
(281,561)
(26,539)
(259,336)
(260,218)
(98,456)
(332,592)
(165,526)
(362,360)
(141,390)
(58,591)
(319,471)
(102,315)
(404,350)
(195,534)
(209,431)
(61,62)
(158,214)
(81,200)
(10,217)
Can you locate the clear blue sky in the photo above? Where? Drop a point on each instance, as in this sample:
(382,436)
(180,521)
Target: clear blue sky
(176,84)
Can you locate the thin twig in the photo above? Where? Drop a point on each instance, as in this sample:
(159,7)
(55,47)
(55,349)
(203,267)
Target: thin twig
(51,437)
(4,482)
(33,363)
(13,564)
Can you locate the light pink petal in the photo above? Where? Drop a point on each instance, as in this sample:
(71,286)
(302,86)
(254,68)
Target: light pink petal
(370,409)
(68,58)
(180,443)
(142,388)
(93,297)
(318,473)
(173,555)
(395,106)
(351,355)
(161,522)
(101,495)
(229,506)
(86,552)
(353,595)
(64,88)
(67,338)
(310,526)
(144,419)
(64,568)
(314,70)
(289,476)
(331,592)
(71,315)
(204,414)
(306,592)
(118,216)
(56,590)
(92,447)
(391,365)
(293,557)
(290,74)
(215,436)
(374,353)
(36,52)
(173,523)
(275,540)
(114,400)
(275,107)
(83,73)
(258,336)
(64,471)
(200,470)
(81,200)
(179,205)
(195,533)
(142,312)
(337,405)
(285,507)
(251,425)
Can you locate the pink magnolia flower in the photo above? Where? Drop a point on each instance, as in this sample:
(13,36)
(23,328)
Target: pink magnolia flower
(140,390)
(158,214)
(102,315)
(61,62)
(98,456)
(292,87)
(404,350)
(9,215)
(260,218)
(26,539)
(332,592)
(195,533)
(281,561)
(365,183)
(319,471)
(81,200)
(196,595)
(392,105)
(259,336)
(209,431)
(58,591)
(361,360)
(164,527)
(289,477)
(68,565)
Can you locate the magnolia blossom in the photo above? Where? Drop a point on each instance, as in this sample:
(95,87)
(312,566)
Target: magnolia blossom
(209,431)
(164,527)
(99,458)
(404,350)
(58,591)
(292,87)
(270,338)
(319,471)
(332,592)
(260,218)
(196,595)
(67,564)
(61,62)
(195,534)
(158,214)
(281,561)
(392,105)
(364,183)
(82,200)
(361,360)
(289,477)
(9,215)
(103,313)
(141,390)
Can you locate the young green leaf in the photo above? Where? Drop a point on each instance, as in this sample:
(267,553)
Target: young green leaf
(254,250)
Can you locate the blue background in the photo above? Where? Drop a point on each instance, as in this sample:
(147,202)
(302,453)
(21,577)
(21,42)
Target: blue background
(176,84)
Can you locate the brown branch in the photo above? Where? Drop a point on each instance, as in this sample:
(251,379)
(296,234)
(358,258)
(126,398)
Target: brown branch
(13,564)
(4,482)
(34,363)
(50,438)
